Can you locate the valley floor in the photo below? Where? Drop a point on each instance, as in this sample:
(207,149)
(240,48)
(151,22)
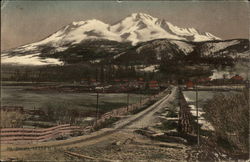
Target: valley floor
(136,137)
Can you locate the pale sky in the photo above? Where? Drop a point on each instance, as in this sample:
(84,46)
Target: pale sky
(24,22)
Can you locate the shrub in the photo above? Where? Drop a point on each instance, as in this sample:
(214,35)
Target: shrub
(229,116)
(168,125)
(12,119)
(171,114)
(60,112)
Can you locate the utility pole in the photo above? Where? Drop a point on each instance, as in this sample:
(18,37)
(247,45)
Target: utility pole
(140,95)
(97,106)
(127,101)
(197,115)
(248,92)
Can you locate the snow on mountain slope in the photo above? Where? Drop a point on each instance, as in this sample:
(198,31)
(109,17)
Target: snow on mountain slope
(189,34)
(151,52)
(232,48)
(30,60)
(137,27)
(164,45)
(74,33)
(215,47)
(184,46)
(140,27)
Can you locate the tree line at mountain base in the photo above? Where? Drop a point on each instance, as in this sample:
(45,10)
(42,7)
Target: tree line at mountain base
(100,72)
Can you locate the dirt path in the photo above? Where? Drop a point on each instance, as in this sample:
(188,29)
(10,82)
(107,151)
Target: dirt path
(150,118)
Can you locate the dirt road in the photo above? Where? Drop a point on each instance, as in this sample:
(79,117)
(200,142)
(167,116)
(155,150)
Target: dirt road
(148,117)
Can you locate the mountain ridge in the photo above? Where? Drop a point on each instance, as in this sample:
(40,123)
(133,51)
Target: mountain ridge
(135,28)
(93,40)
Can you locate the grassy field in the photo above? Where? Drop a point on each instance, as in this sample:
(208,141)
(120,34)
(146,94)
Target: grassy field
(84,103)
(18,96)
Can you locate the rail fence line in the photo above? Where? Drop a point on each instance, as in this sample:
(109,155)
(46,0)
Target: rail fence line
(185,117)
(30,135)
(124,110)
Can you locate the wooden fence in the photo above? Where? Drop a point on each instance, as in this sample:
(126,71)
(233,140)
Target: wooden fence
(185,116)
(125,110)
(28,135)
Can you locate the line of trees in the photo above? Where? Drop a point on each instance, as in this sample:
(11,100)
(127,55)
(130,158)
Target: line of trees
(74,72)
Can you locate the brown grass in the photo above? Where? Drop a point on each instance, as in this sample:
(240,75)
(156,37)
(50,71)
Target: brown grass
(11,119)
(229,114)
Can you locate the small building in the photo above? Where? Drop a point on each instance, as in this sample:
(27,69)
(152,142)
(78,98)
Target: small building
(140,79)
(117,80)
(203,80)
(153,82)
(84,81)
(189,84)
(93,82)
(237,79)
(153,85)
(125,80)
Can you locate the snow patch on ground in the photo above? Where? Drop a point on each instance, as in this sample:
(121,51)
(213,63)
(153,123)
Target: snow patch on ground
(151,68)
(205,124)
(219,74)
(242,69)
(187,98)
(30,60)
(118,55)
(96,61)
(185,47)
(61,49)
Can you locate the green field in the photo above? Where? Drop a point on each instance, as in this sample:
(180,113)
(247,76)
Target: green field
(19,96)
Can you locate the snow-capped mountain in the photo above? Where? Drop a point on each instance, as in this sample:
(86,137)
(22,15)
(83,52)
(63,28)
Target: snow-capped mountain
(94,40)
(137,27)
(140,27)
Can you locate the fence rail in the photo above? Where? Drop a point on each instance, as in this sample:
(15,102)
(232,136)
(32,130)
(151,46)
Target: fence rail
(185,116)
(13,135)
(124,110)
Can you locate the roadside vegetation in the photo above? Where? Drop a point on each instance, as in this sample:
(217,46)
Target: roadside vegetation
(12,119)
(143,107)
(229,114)
(107,123)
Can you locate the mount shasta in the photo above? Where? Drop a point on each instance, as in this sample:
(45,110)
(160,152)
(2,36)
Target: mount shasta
(93,40)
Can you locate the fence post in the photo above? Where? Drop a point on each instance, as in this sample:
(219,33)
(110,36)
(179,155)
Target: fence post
(127,101)
(197,114)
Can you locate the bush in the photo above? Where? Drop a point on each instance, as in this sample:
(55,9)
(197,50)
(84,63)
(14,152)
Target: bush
(60,112)
(229,116)
(168,125)
(12,119)
(172,114)
(107,123)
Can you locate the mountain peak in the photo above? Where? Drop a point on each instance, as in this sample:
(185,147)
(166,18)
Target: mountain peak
(139,14)
(137,27)
(142,16)
(78,23)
